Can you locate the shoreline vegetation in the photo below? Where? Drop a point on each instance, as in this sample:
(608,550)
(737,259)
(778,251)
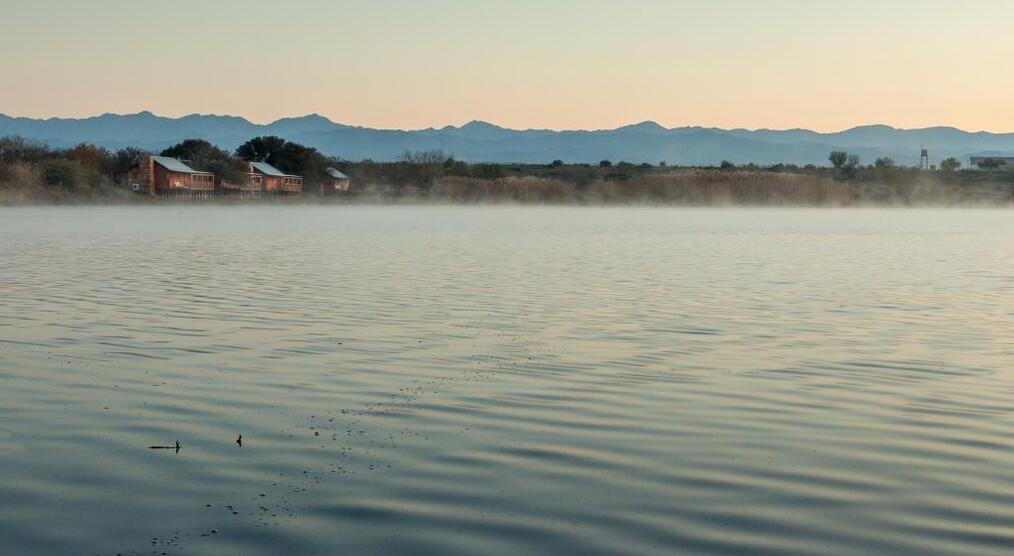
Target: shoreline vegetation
(32,173)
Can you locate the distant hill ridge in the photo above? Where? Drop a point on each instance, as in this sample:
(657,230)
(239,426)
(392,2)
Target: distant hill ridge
(479,141)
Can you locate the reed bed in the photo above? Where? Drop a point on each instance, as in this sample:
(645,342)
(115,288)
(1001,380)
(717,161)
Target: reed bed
(677,187)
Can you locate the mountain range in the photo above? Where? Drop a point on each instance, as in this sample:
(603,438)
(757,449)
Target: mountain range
(479,141)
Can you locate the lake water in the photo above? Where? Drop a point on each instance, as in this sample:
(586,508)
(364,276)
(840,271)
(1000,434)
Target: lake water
(504,381)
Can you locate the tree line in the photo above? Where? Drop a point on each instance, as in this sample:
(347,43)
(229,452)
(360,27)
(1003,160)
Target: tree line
(89,168)
(848,163)
(287,156)
(30,169)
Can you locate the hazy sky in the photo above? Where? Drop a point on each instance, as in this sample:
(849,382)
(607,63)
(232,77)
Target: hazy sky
(824,65)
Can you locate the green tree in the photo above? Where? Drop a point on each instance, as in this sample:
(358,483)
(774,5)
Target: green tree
(60,173)
(950,164)
(123,159)
(605,164)
(883,163)
(90,155)
(202,155)
(838,159)
(261,149)
(304,161)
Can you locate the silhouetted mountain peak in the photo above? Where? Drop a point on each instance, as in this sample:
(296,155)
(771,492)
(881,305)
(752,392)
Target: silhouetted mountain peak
(481,141)
(310,123)
(314,118)
(647,126)
(873,127)
(479,130)
(479,124)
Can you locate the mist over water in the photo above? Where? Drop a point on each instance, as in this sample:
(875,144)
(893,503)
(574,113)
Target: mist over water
(449,380)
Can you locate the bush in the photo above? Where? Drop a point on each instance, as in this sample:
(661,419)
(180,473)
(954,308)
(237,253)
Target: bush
(487,171)
(60,173)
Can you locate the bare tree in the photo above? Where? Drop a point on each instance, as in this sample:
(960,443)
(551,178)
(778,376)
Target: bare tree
(424,157)
(838,158)
(422,168)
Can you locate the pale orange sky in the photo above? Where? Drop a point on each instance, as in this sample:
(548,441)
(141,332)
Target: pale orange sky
(823,65)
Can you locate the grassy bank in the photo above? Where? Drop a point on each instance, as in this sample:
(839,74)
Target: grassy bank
(675,187)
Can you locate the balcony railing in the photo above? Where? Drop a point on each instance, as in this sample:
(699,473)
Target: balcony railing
(202,182)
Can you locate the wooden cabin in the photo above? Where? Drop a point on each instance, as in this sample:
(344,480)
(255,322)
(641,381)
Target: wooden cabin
(165,175)
(273,180)
(339,182)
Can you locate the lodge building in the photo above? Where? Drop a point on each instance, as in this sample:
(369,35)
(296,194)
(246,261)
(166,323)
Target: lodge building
(338,182)
(164,175)
(273,180)
(167,176)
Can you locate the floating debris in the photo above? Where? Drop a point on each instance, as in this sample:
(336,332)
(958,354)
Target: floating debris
(176,447)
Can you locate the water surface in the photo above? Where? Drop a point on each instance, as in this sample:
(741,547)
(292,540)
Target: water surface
(506,381)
